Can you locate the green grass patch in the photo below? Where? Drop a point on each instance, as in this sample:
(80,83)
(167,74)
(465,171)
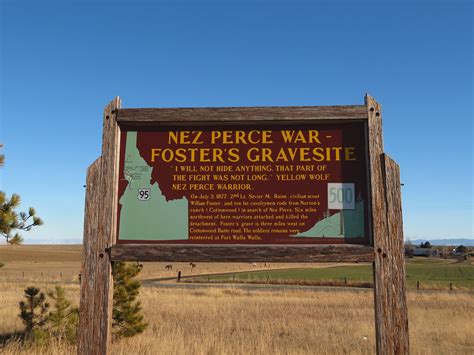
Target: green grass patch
(440,273)
(430,273)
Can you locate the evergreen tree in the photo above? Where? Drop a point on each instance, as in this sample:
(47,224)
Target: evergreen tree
(126,314)
(33,312)
(63,319)
(425,245)
(11,221)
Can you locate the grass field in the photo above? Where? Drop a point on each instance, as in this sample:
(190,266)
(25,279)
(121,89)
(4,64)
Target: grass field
(62,264)
(231,320)
(430,273)
(234,321)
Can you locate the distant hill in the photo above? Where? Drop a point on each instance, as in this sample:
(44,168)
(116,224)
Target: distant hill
(461,241)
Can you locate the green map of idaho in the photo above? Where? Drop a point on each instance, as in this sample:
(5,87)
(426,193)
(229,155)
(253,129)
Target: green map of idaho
(152,217)
(344,224)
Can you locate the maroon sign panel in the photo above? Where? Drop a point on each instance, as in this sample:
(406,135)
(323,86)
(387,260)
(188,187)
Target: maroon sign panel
(244,184)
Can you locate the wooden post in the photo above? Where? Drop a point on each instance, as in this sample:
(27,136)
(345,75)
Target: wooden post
(391,315)
(99,232)
(395,259)
(88,273)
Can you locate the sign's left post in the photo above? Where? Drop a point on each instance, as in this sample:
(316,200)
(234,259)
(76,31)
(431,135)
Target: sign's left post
(99,234)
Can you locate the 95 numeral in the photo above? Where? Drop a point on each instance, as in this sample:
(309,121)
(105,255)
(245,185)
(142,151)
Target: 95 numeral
(144,194)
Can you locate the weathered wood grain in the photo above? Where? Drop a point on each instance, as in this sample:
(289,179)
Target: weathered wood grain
(89,260)
(163,116)
(379,226)
(96,331)
(386,263)
(395,257)
(107,226)
(242,253)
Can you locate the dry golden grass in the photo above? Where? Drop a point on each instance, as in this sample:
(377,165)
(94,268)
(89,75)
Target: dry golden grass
(62,263)
(237,321)
(40,263)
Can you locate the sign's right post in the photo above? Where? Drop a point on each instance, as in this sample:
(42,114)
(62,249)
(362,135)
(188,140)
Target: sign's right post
(391,314)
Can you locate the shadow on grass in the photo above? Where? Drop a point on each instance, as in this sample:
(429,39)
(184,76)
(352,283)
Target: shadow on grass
(331,283)
(11,338)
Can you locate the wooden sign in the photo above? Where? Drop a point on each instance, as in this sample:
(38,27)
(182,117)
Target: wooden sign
(253,184)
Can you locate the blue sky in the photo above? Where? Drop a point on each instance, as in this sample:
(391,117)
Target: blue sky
(62,61)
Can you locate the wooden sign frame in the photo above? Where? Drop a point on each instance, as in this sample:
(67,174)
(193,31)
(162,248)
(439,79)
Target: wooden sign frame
(385,251)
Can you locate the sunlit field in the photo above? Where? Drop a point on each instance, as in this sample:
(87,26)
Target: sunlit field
(422,273)
(238,319)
